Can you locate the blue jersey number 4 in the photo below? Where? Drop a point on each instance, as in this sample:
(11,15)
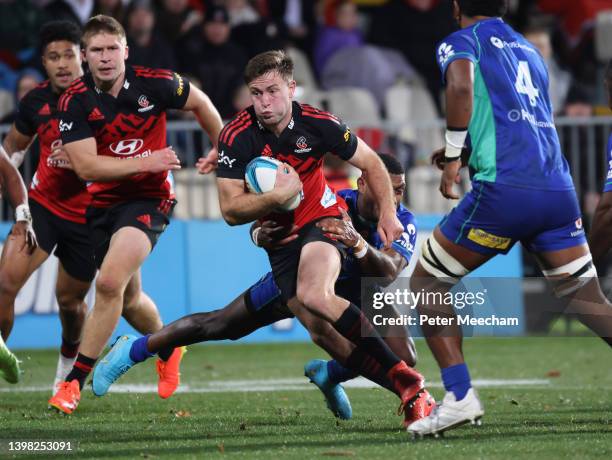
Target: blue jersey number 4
(524,84)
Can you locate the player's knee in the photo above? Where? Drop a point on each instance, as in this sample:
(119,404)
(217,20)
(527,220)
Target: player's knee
(437,262)
(70,302)
(571,277)
(314,300)
(108,285)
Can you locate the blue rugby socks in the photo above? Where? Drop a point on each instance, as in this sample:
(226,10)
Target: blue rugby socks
(457,379)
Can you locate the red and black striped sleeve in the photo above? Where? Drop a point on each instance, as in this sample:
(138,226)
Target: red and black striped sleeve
(235,147)
(72,114)
(337,137)
(169,87)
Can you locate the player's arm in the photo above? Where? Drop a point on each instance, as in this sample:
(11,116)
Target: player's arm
(18,197)
(241,207)
(22,131)
(377,178)
(92,167)
(459,99)
(205,112)
(387,263)
(600,239)
(271,235)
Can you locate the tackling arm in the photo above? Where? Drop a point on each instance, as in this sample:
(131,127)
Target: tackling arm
(378,181)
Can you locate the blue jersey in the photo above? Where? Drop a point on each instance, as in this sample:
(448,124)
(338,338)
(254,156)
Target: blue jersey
(404,245)
(512,132)
(608,183)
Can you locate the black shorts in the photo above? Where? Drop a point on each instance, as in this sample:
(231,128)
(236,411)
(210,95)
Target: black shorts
(70,240)
(285,261)
(150,216)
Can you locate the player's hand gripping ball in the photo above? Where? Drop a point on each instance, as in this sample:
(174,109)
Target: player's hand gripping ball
(260,177)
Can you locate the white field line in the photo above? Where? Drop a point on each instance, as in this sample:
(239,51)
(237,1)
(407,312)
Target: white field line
(294,384)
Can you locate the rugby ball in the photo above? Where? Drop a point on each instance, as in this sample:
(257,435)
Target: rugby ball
(260,177)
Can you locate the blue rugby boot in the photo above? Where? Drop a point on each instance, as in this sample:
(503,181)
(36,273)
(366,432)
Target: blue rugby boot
(116,363)
(335,396)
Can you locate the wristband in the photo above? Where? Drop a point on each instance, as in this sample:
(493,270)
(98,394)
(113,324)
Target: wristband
(455,140)
(254,235)
(363,251)
(22,214)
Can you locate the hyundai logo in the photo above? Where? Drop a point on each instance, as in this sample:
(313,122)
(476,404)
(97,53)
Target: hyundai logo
(127,147)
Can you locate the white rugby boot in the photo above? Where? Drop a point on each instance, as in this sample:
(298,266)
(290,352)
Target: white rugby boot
(449,414)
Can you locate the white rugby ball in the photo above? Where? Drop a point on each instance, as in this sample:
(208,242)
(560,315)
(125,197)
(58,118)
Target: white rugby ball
(260,177)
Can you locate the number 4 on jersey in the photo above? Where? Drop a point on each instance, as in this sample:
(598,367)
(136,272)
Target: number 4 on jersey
(524,85)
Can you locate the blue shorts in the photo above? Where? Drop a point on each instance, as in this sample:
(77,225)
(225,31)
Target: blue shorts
(264,301)
(492,217)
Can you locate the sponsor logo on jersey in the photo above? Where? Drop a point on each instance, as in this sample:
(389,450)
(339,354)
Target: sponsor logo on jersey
(497,42)
(347,134)
(515,115)
(127,147)
(302,145)
(95,115)
(445,51)
(500,44)
(145,219)
(143,102)
(610,168)
(488,240)
(64,126)
(267,151)
(404,239)
(225,160)
(181,85)
(329,197)
(45,110)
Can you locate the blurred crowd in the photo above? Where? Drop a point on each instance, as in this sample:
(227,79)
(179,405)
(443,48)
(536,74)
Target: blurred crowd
(368,44)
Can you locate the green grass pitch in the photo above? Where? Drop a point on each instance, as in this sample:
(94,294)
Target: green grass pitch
(561,409)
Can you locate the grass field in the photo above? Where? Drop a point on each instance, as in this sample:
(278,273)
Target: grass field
(553,399)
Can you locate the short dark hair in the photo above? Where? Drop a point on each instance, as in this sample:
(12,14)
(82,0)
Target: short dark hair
(492,8)
(270,61)
(56,31)
(102,24)
(392,164)
(609,70)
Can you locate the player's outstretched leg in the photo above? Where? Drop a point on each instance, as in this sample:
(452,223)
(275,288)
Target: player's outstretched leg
(9,364)
(337,401)
(229,323)
(141,312)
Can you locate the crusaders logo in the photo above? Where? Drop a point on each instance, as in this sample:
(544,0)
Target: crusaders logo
(143,102)
(302,145)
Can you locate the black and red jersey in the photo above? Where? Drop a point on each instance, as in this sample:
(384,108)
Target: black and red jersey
(132,125)
(310,134)
(57,189)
